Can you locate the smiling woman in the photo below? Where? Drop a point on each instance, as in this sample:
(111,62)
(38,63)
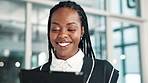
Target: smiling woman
(65,32)
(70,48)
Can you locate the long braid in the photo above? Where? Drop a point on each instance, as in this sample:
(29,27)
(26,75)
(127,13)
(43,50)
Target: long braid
(85,43)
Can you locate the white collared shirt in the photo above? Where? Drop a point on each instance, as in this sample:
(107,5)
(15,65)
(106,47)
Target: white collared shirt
(72,64)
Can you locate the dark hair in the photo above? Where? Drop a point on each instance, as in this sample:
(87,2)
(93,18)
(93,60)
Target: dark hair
(85,43)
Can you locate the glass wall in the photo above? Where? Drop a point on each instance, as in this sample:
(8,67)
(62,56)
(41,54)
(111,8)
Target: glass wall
(125,7)
(97,29)
(39,34)
(127,52)
(12,36)
(96,4)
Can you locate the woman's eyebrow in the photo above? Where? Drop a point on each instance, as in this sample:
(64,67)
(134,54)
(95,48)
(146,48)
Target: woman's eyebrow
(66,24)
(71,23)
(55,23)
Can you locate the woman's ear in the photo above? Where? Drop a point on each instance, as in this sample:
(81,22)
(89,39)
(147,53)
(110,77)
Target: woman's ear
(82,32)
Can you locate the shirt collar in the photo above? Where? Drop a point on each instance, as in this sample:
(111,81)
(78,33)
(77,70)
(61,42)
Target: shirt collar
(71,61)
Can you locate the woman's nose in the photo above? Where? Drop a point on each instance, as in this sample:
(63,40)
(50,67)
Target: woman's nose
(63,34)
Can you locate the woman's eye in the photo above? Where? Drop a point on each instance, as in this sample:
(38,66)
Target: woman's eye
(71,29)
(55,30)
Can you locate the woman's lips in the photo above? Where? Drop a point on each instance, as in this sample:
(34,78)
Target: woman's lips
(63,44)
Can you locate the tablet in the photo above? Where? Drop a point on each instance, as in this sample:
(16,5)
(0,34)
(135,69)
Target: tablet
(29,76)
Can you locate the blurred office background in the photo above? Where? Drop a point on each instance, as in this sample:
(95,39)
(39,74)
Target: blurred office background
(118,29)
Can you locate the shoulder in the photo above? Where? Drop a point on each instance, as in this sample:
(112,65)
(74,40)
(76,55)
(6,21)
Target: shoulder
(36,69)
(44,67)
(103,63)
(98,62)
(108,69)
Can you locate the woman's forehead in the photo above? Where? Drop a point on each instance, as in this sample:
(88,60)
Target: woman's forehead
(64,10)
(65,14)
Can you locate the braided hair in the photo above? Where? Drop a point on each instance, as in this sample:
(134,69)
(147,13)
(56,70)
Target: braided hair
(85,43)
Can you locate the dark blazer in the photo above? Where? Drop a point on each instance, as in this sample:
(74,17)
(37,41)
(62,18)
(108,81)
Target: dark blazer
(103,71)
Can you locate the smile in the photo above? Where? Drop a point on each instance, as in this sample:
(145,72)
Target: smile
(63,44)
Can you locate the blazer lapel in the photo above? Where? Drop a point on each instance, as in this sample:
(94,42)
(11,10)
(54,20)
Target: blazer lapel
(46,67)
(86,68)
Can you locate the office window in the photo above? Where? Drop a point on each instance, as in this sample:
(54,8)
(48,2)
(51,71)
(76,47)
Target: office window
(40,15)
(125,7)
(118,63)
(117,38)
(133,35)
(98,35)
(132,64)
(96,4)
(132,54)
(126,52)
(12,36)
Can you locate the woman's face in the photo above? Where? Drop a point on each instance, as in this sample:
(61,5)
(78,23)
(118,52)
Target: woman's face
(65,32)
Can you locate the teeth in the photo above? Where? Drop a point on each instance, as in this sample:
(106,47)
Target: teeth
(63,44)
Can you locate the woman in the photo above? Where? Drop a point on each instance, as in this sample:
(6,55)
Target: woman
(70,47)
